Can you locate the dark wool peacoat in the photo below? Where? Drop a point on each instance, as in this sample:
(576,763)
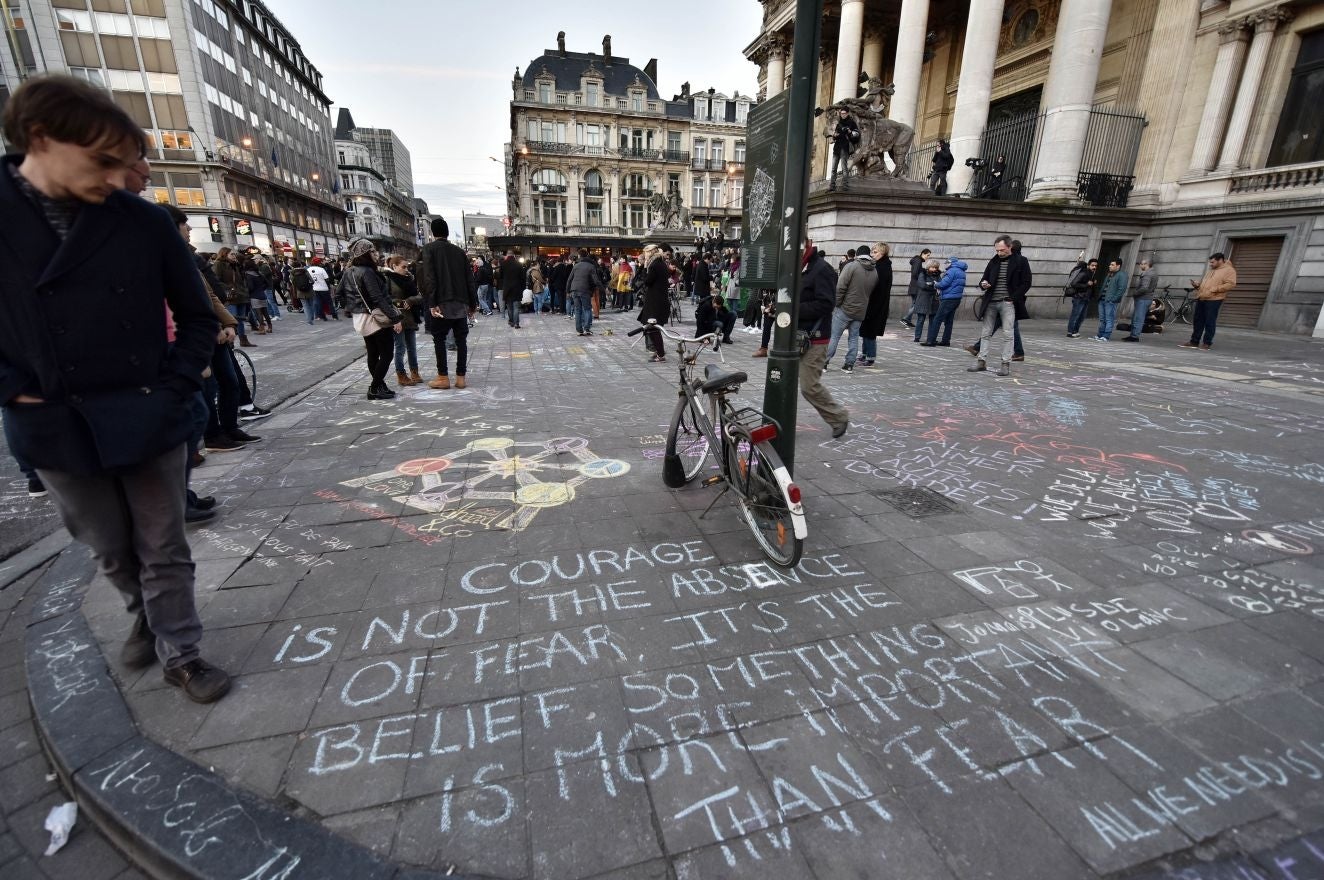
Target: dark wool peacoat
(83,327)
(880,301)
(657,299)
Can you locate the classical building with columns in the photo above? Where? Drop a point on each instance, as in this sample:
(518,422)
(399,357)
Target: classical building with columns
(1162,129)
(592,142)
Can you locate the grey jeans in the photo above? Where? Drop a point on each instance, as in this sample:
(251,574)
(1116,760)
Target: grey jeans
(813,390)
(1007,311)
(134,523)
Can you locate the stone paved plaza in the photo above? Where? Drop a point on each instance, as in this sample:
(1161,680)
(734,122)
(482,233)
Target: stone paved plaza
(472,630)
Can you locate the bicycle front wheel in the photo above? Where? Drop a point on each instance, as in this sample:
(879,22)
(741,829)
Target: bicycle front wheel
(247,371)
(687,445)
(764,502)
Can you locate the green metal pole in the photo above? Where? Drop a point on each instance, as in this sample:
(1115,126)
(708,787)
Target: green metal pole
(781,394)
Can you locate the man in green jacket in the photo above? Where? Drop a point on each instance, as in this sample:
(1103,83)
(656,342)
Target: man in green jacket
(1110,294)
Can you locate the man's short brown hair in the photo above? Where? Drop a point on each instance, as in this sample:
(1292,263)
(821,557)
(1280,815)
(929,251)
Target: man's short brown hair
(71,111)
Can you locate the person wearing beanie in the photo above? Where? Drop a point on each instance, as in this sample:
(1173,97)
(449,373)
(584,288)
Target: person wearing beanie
(854,289)
(363,289)
(450,298)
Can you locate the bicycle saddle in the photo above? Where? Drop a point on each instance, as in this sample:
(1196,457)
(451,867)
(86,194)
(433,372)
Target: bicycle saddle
(717,378)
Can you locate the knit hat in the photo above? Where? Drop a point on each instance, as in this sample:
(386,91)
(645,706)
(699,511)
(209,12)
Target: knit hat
(359,247)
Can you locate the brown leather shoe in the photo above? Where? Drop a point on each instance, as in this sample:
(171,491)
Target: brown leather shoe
(761,353)
(402,379)
(460,383)
(440,382)
(1018,357)
(415,378)
(201,682)
(244,343)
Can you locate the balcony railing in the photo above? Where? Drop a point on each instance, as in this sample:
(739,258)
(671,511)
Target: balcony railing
(1285,177)
(637,193)
(595,191)
(676,156)
(549,188)
(699,163)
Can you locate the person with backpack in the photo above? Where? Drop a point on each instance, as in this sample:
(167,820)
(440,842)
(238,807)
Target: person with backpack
(951,289)
(235,292)
(301,285)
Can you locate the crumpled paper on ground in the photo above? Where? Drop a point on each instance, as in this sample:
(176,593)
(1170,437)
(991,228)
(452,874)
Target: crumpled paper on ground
(59,822)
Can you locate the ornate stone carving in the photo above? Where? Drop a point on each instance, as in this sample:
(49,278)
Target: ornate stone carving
(1027,23)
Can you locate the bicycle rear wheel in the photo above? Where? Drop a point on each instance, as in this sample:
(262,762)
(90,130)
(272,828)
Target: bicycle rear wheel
(247,371)
(687,445)
(763,501)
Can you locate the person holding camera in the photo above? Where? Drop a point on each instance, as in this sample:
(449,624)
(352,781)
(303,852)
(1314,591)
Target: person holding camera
(943,160)
(845,134)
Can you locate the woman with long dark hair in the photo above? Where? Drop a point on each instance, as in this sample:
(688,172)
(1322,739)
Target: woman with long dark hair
(363,289)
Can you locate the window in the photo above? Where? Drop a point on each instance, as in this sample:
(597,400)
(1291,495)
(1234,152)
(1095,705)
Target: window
(719,151)
(593,183)
(544,93)
(701,109)
(636,213)
(637,102)
(700,150)
(593,213)
(742,112)
(637,139)
(738,192)
(248,77)
(125,80)
(73,20)
(715,193)
(164,83)
(548,180)
(591,94)
(1301,123)
(92,75)
(719,110)
(176,140)
(673,142)
(697,195)
(740,151)
(158,28)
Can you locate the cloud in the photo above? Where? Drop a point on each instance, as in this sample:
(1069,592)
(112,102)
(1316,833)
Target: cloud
(420,71)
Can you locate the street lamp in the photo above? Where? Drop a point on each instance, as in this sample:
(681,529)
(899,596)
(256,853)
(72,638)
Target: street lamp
(247,142)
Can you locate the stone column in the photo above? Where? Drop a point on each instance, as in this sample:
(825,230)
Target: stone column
(909,66)
(1218,103)
(1248,92)
(846,83)
(776,80)
(871,57)
(974,88)
(1162,93)
(1073,73)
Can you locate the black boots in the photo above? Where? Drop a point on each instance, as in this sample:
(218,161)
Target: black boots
(379,391)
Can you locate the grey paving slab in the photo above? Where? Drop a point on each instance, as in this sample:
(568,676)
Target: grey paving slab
(461,647)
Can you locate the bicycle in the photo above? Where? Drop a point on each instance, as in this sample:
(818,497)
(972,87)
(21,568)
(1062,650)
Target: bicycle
(247,371)
(1181,311)
(677,317)
(769,501)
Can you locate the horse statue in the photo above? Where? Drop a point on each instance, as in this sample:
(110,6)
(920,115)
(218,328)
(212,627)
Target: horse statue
(879,135)
(668,211)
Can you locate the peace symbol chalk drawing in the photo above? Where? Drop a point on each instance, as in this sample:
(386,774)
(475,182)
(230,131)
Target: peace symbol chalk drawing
(467,483)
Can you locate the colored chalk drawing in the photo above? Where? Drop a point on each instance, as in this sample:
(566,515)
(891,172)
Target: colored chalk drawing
(454,485)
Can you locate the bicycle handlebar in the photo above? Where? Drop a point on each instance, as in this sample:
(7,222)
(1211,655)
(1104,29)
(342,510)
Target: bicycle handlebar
(698,340)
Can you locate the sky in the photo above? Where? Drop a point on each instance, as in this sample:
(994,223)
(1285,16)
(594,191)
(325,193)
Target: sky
(439,73)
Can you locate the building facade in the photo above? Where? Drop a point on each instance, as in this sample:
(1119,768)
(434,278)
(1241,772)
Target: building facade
(239,127)
(1168,129)
(592,142)
(375,207)
(478,228)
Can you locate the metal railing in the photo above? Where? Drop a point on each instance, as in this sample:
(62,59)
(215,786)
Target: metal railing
(596,191)
(637,193)
(676,156)
(1283,177)
(1107,167)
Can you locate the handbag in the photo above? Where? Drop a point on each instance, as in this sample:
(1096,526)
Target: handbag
(369,322)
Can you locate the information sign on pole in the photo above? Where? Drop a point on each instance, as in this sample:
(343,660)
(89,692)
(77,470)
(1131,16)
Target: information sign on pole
(765,173)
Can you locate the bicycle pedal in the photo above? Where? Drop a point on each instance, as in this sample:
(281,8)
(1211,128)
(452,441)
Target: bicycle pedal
(712,481)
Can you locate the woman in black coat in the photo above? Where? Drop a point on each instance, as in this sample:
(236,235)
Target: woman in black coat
(880,304)
(363,289)
(657,299)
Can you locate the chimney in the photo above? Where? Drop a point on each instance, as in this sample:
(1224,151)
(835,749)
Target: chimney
(606,50)
(684,90)
(650,69)
(560,43)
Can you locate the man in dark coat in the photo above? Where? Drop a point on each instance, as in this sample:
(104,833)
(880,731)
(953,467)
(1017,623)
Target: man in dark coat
(703,278)
(845,136)
(512,288)
(657,301)
(880,305)
(450,297)
(942,163)
(818,299)
(1006,281)
(560,276)
(916,270)
(95,396)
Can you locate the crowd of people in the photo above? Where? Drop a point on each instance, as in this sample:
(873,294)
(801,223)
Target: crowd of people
(118,366)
